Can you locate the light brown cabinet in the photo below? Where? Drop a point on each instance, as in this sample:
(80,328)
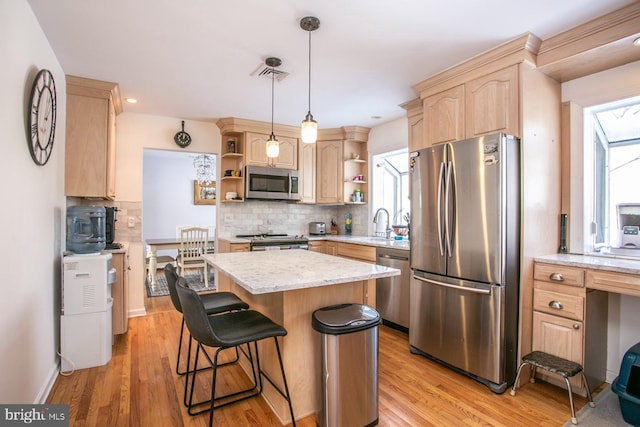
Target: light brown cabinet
(230,161)
(565,316)
(225,246)
(481,106)
(307,174)
(356,251)
(444,117)
(492,103)
(318,246)
(90,147)
(415,119)
(120,293)
(256,151)
(329,164)
(355,172)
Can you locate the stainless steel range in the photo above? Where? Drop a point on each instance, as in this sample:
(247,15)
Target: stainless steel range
(266,242)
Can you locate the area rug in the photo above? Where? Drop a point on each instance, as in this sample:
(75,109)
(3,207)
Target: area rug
(193,280)
(605,414)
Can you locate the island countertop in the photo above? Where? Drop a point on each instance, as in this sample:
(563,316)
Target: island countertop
(275,271)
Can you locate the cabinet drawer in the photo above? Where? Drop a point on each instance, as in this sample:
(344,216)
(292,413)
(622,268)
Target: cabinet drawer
(361,252)
(570,306)
(621,283)
(559,274)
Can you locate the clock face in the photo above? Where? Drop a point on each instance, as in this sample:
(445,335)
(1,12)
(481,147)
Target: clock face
(42,117)
(182,139)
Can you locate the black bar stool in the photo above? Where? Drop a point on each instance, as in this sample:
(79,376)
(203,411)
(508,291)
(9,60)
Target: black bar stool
(225,331)
(214,303)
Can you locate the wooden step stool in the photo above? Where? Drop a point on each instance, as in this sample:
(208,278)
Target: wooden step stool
(557,365)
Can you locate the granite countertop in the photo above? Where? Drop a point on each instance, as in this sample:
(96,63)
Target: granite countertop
(275,271)
(606,263)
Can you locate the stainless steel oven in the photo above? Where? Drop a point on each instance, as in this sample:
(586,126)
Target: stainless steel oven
(270,242)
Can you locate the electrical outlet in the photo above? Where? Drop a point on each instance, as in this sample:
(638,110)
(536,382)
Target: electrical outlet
(131,221)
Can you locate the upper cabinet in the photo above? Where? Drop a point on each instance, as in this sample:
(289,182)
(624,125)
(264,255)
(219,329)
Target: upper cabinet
(415,118)
(444,117)
(307,175)
(90,148)
(491,103)
(257,151)
(481,106)
(332,171)
(329,171)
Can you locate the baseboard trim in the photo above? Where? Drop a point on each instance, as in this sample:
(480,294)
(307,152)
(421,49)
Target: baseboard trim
(41,398)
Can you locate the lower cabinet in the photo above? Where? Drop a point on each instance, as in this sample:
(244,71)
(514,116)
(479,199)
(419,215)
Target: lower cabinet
(120,293)
(318,246)
(567,316)
(357,252)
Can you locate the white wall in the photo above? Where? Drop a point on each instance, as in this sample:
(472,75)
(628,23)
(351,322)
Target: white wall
(599,88)
(32,215)
(135,132)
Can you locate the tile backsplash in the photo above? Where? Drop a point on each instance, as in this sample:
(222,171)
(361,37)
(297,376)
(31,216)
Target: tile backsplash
(256,216)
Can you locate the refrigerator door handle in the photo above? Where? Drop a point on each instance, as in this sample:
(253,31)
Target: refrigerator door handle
(460,288)
(447,197)
(440,185)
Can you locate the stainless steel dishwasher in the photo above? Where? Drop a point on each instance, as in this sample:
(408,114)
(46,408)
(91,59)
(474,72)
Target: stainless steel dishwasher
(392,293)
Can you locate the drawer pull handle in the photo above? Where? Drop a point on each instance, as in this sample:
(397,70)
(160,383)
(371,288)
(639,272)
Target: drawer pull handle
(557,277)
(556,305)
(576,326)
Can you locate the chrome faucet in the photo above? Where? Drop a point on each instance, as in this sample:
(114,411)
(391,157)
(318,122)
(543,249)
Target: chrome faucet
(376,218)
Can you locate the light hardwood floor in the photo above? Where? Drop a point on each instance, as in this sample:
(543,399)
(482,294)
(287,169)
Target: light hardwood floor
(139,387)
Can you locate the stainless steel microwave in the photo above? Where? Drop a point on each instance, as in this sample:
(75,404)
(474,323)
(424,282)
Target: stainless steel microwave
(271,183)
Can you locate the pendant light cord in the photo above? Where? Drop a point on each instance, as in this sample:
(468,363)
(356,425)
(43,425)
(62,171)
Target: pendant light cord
(272,91)
(309,98)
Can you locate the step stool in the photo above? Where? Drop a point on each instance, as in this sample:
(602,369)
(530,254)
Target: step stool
(556,365)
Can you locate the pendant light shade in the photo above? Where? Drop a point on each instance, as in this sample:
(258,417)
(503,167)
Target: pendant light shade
(309,130)
(273,145)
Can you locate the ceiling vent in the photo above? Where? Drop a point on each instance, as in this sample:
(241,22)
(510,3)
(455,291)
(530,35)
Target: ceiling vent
(264,71)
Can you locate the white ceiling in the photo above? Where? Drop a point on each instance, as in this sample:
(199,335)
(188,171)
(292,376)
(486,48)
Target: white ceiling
(193,59)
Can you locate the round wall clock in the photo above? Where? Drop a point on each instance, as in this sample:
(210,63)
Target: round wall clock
(182,138)
(42,117)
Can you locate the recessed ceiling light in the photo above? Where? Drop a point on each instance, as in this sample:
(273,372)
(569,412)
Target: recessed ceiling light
(131,100)
(376,117)
(636,42)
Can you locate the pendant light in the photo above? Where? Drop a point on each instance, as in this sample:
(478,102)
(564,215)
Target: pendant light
(309,130)
(273,145)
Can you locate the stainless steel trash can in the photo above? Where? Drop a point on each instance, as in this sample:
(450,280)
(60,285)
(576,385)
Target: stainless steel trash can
(349,367)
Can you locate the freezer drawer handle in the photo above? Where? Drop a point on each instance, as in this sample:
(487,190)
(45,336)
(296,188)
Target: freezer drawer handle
(460,288)
(557,277)
(556,305)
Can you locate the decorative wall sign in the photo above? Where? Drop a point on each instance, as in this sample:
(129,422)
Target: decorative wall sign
(204,194)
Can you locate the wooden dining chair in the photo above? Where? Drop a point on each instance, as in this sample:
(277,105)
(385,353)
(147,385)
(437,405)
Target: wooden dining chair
(193,244)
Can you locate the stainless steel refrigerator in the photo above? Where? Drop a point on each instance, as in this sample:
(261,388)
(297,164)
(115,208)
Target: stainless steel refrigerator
(465,256)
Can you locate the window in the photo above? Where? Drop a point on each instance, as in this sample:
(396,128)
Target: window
(390,186)
(612,198)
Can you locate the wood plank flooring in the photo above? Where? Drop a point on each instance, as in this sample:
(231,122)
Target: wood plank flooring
(139,387)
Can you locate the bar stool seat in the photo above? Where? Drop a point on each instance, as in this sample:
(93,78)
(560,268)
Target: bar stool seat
(224,331)
(557,365)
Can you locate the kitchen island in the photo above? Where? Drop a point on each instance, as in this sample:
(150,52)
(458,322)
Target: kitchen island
(288,286)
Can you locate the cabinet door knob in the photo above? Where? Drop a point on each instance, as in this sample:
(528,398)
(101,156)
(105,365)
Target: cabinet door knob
(576,326)
(557,277)
(556,305)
